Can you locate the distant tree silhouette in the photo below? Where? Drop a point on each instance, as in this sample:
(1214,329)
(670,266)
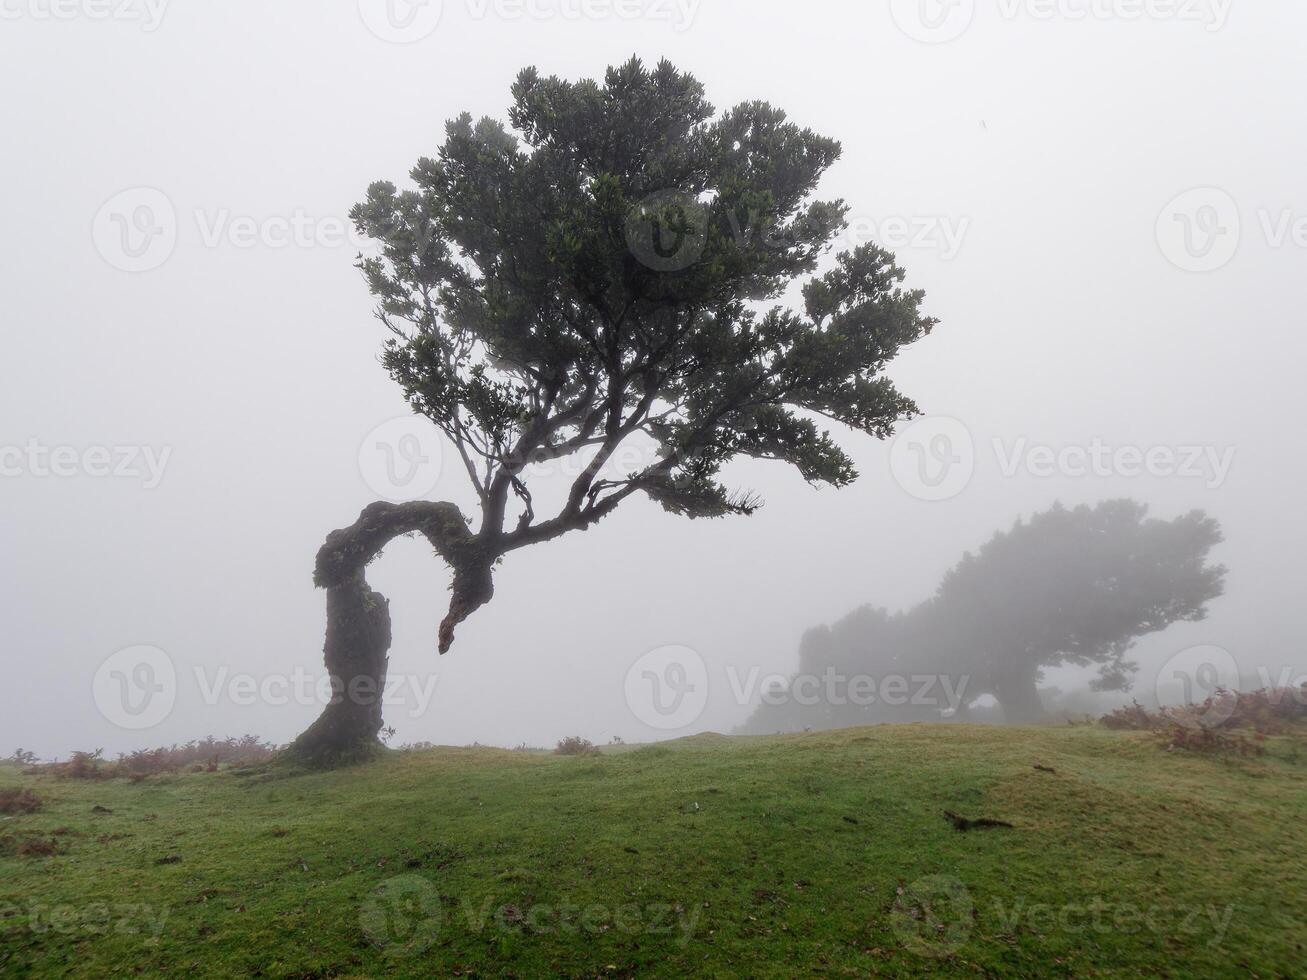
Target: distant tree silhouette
(592,276)
(1076,587)
(1069,586)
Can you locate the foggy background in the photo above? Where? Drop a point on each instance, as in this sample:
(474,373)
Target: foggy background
(1053,145)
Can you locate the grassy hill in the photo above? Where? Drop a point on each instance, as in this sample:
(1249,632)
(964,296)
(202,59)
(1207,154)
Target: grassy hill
(817,854)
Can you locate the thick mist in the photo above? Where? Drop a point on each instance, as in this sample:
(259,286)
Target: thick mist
(1109,229)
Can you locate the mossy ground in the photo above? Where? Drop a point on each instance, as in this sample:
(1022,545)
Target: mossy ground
(815,854)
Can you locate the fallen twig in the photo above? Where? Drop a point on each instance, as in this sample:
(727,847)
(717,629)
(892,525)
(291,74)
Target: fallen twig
(964,824)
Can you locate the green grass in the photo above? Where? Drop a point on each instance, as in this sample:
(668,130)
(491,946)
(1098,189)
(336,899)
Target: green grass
(819,854)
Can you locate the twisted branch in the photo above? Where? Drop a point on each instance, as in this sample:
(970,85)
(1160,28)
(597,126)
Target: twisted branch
(348,551)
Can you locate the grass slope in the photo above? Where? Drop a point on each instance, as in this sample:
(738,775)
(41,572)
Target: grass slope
(818,854)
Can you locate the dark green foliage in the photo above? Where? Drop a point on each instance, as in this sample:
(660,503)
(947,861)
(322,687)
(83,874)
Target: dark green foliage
(605,274)
(608,269)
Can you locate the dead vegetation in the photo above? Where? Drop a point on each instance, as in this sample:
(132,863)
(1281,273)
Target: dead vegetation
(14,801)
(576,745)
(198,755)
(1228,722)
(31,845)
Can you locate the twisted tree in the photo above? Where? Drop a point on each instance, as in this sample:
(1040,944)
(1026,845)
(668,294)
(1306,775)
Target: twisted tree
(604,269)
(1068,586)
(1073,586)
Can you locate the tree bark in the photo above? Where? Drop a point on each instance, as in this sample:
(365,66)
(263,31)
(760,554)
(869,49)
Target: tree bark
(1017,693)
(358,618)
(358,639)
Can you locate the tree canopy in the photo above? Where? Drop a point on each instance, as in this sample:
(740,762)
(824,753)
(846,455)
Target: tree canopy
(1080,586)
(1068,586)
(607,266)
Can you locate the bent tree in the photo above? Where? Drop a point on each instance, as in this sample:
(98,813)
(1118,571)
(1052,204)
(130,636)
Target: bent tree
(606,268)
(1074,586)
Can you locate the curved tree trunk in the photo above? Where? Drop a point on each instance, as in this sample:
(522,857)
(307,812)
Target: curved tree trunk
(358,639)
(358,618)
(1017,693)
